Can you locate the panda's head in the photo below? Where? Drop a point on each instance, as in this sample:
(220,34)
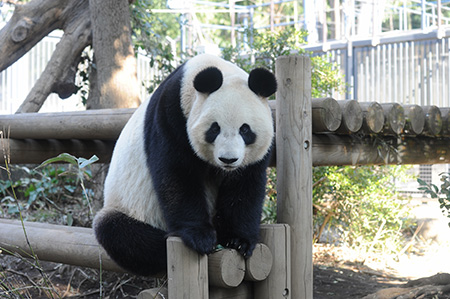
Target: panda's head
(230,123)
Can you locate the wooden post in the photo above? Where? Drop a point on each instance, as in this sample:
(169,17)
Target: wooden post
(187,271)
(278,284)
(294,166)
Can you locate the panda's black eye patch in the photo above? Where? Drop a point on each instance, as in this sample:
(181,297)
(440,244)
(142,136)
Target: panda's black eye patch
(247,134)
(212,132)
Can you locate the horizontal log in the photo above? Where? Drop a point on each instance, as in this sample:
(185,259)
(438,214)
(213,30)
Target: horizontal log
(31,151)
(228,267)
(352,117)
(331,149)
(433,121)
(415,120)
(445,113)
(105,124)
(329,115)
(373,117)
(394,119)
(78,246)
(327,149)
(258,266)
(326,115)
(56,243)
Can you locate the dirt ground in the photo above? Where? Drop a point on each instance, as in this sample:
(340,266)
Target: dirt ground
(339,272)
(335,276)
(347,281)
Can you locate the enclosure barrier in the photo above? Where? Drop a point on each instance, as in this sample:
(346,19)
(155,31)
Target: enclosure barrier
(343,133)
(225,271)
(309,132)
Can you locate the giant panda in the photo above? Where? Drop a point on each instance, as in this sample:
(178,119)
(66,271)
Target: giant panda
(191,162)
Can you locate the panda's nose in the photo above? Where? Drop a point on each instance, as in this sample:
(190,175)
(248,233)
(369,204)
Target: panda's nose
(227,160)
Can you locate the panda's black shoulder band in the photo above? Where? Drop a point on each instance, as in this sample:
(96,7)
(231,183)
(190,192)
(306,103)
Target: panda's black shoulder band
(262,82)
(208,80)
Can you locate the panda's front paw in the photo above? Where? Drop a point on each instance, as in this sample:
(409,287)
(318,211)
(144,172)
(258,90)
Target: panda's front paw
(201,239)
(243,246)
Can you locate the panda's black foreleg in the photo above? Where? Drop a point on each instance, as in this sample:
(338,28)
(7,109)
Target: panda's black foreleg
(132,244)
(185,209)
(239,208)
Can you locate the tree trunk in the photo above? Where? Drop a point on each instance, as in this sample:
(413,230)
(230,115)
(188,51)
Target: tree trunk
(117,85)
(32,22)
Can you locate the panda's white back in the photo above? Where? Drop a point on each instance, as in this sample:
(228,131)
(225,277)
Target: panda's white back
(129,164)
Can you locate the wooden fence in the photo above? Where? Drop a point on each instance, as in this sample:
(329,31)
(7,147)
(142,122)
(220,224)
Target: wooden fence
(309,132)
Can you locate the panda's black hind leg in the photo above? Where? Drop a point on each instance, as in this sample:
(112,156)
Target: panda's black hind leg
(134,245)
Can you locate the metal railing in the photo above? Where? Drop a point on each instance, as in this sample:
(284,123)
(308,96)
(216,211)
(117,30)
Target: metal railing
(412,68)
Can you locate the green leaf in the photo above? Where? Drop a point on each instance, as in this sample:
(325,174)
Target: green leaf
(66,158)
(422,182)
(84,162)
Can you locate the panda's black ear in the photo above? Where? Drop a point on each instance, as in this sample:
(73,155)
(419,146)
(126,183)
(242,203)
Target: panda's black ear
(208,80)
(262,82)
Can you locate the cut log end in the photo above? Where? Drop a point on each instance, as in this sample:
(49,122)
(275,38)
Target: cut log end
(373,117)
(433,121)
(415,120)
(394,118)
(258,266)
(326,115)
(352,117)
(226,268)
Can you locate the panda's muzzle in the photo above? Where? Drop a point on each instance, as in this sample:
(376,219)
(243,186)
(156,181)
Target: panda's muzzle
(228,160)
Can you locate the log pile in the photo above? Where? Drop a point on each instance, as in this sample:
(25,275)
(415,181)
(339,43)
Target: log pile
(77,246)
(344,133)
(225,271)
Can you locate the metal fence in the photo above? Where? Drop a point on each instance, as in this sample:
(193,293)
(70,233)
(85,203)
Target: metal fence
(412,68)
(17,80)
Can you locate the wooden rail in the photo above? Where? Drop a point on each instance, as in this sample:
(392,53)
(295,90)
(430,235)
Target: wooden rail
(327,149)
(344,133)
(328,115)
(224,270)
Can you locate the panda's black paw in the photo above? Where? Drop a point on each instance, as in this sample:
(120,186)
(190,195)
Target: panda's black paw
(243,246)
(201,239)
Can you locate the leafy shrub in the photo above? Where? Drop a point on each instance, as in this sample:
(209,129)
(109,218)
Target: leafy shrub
(50,192)
(361,201)
(442,193)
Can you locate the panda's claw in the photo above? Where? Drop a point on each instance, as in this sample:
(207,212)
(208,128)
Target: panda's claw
(243,246)
(201,239)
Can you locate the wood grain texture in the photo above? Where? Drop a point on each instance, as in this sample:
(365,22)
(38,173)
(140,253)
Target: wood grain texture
(226,268)
(352,117)
(278,284)
(56,243)
(415,120)
(259,265)
(294,165)
(187,271)
(394,119)
(326,115)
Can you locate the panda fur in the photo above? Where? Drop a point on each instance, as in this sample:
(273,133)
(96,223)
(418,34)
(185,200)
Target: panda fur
(190,162)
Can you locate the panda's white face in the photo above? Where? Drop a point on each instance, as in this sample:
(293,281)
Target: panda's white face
(230,127)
